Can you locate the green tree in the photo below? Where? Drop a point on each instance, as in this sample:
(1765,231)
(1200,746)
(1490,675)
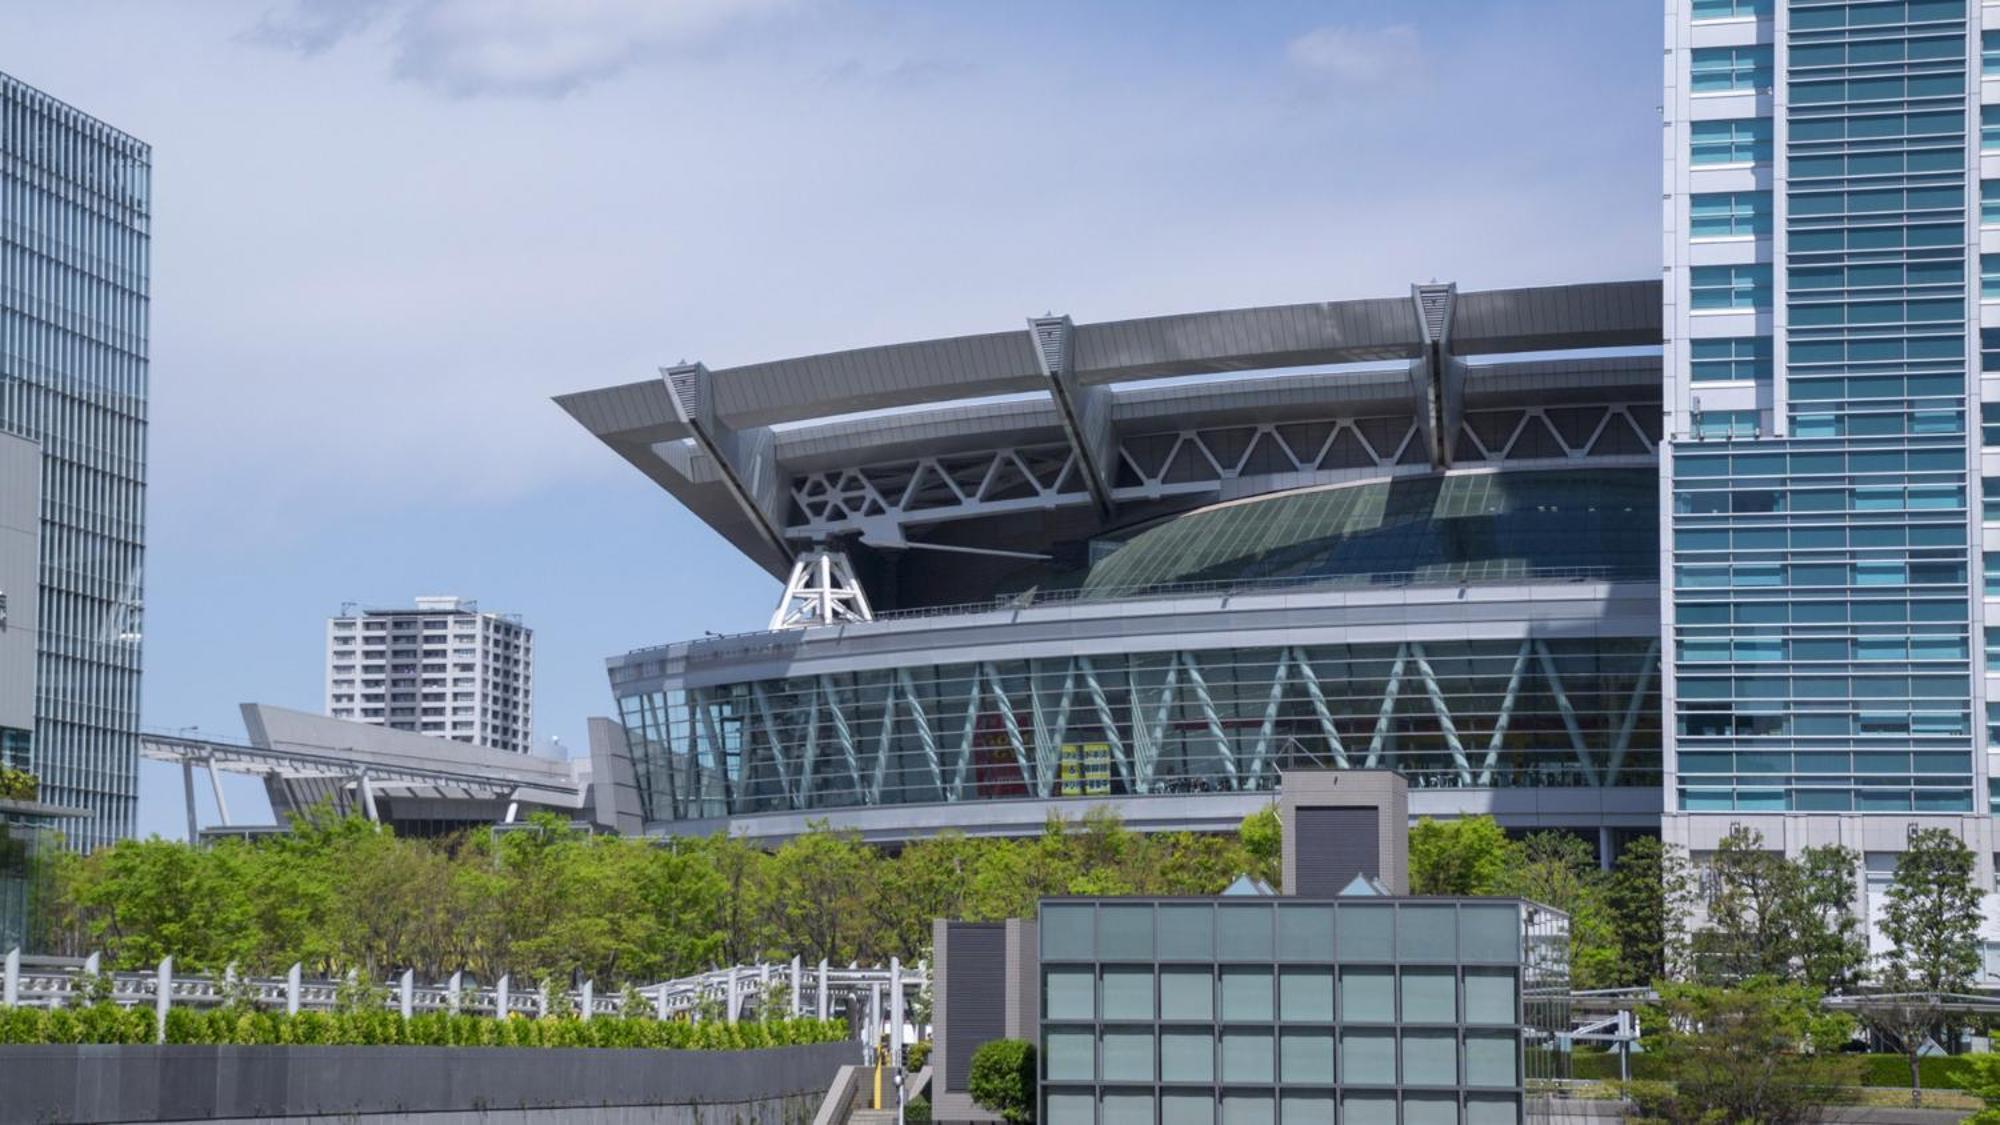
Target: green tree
(1466,856)
(1932,922)
(1747,934)
(1262,837)
(1980,1077)
(1764,1052)
(1650,897)
(1001,1079)
(821,884)
(1820,906)
(1561,870)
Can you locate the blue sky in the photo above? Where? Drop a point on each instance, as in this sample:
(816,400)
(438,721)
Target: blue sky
(386,231)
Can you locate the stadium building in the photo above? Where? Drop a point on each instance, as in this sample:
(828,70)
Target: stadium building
(1152,563)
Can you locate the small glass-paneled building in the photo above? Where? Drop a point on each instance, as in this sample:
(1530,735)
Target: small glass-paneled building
(1260,1010)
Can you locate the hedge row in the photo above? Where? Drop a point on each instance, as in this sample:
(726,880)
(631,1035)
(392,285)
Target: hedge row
(1878,1070)
(110,1023)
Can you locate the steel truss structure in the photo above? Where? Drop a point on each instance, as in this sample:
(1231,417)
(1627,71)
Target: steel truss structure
(1534,711)
(1193,461)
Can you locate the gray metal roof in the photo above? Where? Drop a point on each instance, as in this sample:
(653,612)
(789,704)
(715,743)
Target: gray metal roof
(925,392)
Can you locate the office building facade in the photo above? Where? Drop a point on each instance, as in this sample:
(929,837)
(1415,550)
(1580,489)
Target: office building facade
(1832,534)
(441,668)
(74,235)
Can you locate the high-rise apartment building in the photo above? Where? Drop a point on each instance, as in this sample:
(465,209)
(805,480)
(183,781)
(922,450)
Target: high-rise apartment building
(74,237)
(1833,611)
(442,668)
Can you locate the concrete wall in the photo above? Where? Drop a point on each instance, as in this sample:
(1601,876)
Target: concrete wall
(20,576)
(584,1086)
(1385,791)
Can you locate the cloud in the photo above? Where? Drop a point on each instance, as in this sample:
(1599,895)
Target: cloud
(1389,56)
(529,48)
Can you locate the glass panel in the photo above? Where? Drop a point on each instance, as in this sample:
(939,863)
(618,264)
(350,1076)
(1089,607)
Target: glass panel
(1187,1056)
(1189,1109)
(1490,934)
(1126,1109)
(1247,1057)
(1187,933)
(1247,1109)
(1365,933)
(1368,1058)
(1066,995)
(1070,1055)
(1306,1109)
(1128,995)
(1489,996)
(1125,933)
(1128,1056)
(1071,1109)
(1066,933)
(1367,995)
(1485,1109)
(1306,995)
(1187,994)
(1306,1058)
(1430,1109)
(1305,933)
(1427,933)
(1490,1059)
(1430,996)
(1368,1109)
(1243,933)
(1246,995)
(1430,1058)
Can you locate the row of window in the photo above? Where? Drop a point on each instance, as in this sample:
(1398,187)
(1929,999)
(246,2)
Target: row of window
(1367,1057)
(1249,994)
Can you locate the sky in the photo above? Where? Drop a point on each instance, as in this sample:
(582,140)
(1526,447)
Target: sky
(385,232)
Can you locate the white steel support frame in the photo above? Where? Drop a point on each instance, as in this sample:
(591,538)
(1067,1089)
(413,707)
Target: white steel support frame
(821,591)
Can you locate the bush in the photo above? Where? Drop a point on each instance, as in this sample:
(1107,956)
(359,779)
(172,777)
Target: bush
(916,1055)
(1002,1079)
(18,785)
(917,1111)
(108,1023)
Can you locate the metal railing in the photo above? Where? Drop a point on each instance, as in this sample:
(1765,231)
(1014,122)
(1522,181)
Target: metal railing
(1223,588)
(863,996)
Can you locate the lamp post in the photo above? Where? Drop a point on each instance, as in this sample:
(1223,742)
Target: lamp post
(899,1095)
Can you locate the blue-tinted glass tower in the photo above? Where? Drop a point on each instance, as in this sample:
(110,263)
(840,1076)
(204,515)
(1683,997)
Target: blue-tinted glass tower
(1823,605)
(74,232)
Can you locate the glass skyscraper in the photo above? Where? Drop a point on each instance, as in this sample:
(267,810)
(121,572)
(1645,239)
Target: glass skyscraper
(1822,485)
(74,236)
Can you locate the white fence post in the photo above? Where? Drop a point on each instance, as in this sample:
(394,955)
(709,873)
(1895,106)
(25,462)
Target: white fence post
(895,1013)
(588,998)
(163,996)
(502,1002)
(733,1001)
(294,988)
(406,989)
(452,991)
(660,1003)
(824,1009)
(10,979)
(798,987)
(542,1000)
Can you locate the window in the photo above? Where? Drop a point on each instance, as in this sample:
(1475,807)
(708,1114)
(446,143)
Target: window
(1745,140)
(1989,277)
(1730,9)
(1989,203)
(1989,128)
(1989,423)
(1989,498)
(1729,287)
(1734,359)
(1722,70)
(1992,649)
(1989,52)
(1726,424)
(1729,214)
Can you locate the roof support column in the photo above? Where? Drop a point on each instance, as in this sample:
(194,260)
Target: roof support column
(1085,411)
(1437,380)
(746,461)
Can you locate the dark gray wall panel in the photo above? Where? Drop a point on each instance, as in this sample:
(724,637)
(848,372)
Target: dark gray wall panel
(1334,846)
